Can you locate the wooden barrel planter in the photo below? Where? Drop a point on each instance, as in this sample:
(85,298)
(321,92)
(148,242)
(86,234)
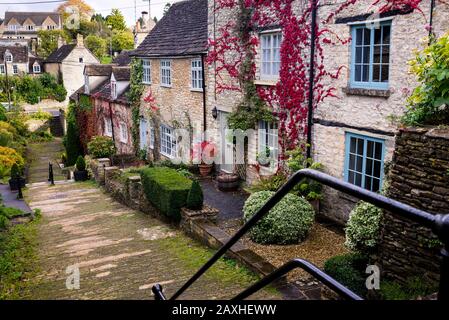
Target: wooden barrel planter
(228,182)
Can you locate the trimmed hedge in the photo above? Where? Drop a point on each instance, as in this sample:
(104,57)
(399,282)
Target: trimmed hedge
(166,189)
(195,198)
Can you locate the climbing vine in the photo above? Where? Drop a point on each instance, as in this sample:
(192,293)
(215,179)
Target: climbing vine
(136,89)
(232,52)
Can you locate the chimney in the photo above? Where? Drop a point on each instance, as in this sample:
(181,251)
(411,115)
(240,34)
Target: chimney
(144,20)
(61,42)
(79,40)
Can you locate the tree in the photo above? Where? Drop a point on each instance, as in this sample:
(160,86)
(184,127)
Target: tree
(49,41)
(167,7)
(85,10)
(122,40)
(97,45)
(116,20)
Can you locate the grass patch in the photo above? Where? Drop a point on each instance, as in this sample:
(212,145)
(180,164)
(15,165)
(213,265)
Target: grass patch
(413,288)
(226,270)
(18,256)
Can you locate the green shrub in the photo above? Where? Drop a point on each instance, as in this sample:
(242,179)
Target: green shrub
(288,222)
(272,183)
(6,214)
(101,147)
(195,198)
(166,189)
(2,113)
(413,288)
(349,270)
(6,138)
(15,171)
(80,164)
(41,115)
(363,228)
(60,93)
(72,139)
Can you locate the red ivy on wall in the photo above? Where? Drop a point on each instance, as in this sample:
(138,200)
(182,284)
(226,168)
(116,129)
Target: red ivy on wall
(289,98)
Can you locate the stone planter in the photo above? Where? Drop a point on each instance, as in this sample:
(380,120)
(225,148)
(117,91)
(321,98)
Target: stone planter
(228,182)
(14,183)
(81,175)
(205,169)
(315,205)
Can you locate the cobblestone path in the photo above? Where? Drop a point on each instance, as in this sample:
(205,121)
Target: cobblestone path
(41,154)
(120,253)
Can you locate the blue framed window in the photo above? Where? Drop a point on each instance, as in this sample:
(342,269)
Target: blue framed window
(364,164)
(370,63)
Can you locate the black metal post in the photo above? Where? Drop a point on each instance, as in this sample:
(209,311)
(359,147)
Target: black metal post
(441,229)
(313,30)
(51,177)
(19,186)
(158,294)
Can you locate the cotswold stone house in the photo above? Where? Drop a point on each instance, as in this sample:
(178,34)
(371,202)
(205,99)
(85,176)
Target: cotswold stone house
(106,88)
(174,97)
(353,133)
(17,60)
(67,64)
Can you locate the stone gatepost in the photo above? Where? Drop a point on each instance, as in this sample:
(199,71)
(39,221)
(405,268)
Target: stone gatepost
(101,165)
(135,192)
(110,173)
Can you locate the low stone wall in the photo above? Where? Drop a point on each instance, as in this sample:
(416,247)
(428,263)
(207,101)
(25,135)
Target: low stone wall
(419,176)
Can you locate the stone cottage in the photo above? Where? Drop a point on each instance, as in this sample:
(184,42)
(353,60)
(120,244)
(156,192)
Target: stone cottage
(353,133)
(67,64)
(18,60)
(174,97)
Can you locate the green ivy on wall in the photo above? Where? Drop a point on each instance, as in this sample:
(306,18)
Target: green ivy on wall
(134,96)
(84,103)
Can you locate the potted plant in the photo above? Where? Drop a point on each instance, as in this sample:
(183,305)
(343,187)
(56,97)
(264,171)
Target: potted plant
(80,173)
(263,157)
(228,182)
(16,178)
(207,150)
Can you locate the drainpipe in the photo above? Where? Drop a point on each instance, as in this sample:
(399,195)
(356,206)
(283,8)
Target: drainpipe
(204,92)
(112,122)
(432,6)
(311,78)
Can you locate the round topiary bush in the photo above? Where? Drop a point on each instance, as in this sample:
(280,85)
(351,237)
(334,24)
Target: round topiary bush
(101,147)
(288,222)
(363,228)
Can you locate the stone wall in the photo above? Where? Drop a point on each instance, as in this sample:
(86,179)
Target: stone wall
(419,176)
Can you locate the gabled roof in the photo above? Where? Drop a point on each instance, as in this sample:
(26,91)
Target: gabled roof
(98,70)
(60,54)
(124,58)
(37,17)
(103,91)
(182,31)
(19,53)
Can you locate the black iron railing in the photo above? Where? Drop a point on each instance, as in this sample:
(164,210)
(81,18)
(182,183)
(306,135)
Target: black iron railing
(439,224)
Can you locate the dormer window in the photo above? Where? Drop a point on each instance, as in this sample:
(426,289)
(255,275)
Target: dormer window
(13,27)
(113,89)
(30,27)
(8,57)
(37,68)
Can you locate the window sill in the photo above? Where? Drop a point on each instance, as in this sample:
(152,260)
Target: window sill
(146,83)
(264,82)
(367,92)
(196,90)
(166,86)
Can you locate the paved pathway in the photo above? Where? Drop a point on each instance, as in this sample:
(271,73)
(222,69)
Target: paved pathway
(41,154)
(10,199)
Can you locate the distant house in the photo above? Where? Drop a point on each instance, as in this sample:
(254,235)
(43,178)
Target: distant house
(26,25)
(107,87)
(67,63)
(143,26)
(17,60)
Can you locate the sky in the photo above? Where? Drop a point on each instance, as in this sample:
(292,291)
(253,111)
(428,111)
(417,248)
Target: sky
(100,6)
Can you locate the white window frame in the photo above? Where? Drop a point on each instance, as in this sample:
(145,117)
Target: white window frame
(9,58)
(13,27)
(37,68)
(270,55)
(166,73)
(269,138)
(15,69)
(168,142)
(152,135)
(123,132)
(196,73)
(2,69)
(108,127)
(113,89)
(146,77)
(29,27)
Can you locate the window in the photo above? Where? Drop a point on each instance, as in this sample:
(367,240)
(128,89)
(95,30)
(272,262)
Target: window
(152,137)
(123,132)
(81,60)
(29,28)
(15,69)
(2,69)
(271,55)
(168,142)
(113,89)
(370,56)
(269,139)
(37,68)
(197,74)
(8,57)
(108,127)
(13,27)
(166,73)
(51,27)
(146,71)
(364,161)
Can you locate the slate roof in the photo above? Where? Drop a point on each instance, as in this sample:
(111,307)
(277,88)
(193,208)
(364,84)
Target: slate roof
(19,53)
(182,31)
(122,73)
(124,58)
(98,70)
(60,54)
(37,17)
(103,91)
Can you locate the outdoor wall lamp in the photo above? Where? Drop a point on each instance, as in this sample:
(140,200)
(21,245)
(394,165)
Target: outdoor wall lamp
(215,113)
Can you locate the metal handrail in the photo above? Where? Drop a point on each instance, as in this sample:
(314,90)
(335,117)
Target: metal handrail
(309,268)
(438,223)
